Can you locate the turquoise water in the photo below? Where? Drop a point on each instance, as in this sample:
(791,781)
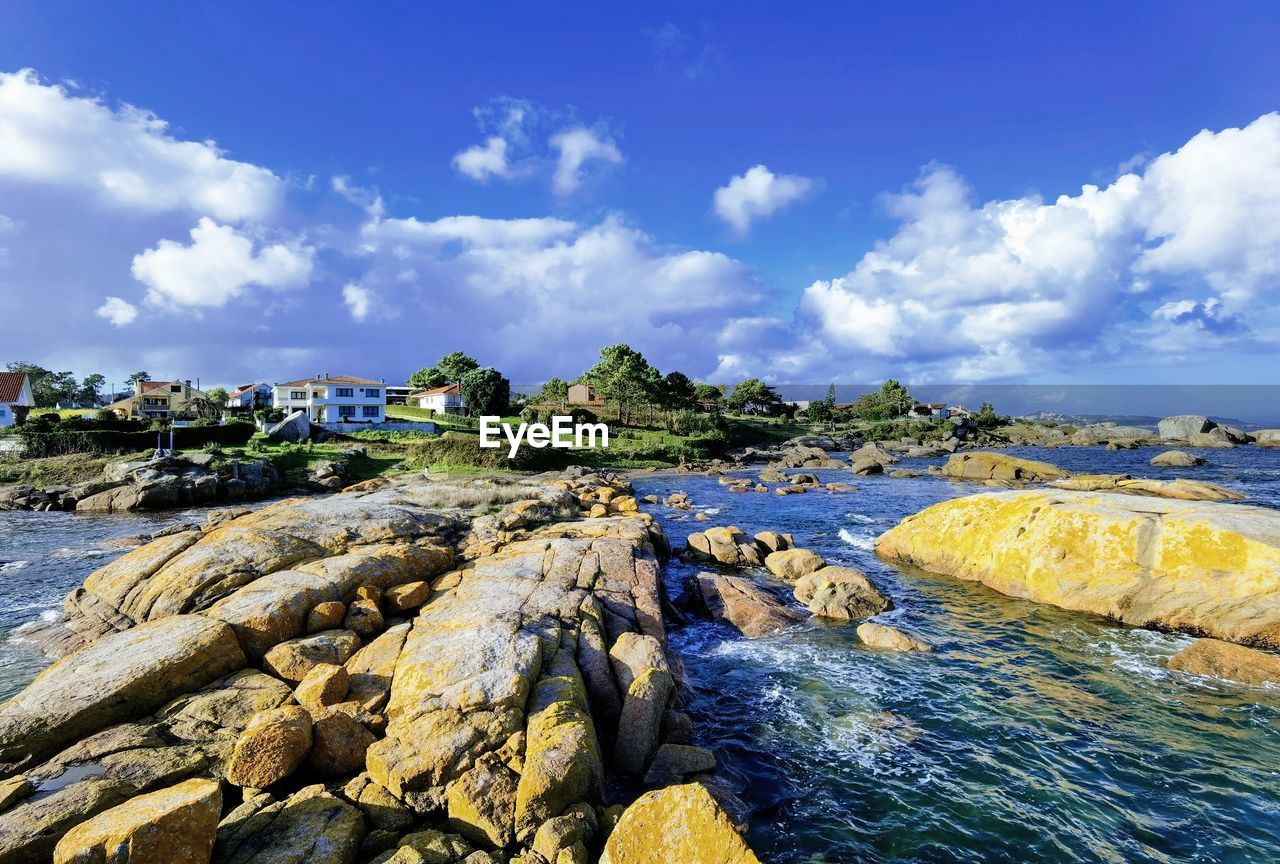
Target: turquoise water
(1033,734)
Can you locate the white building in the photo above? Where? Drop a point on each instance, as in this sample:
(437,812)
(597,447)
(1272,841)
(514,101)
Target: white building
(333,399)
(441,400)
(398,394)
(256,395)
(15,395)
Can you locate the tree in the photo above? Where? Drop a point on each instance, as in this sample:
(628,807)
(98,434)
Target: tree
(456,365)
(486,392)
(624,377)
(753,396)
(217,395)
(47,388)
(708,393)
(427,378)
(890,401)
(678,392)
(138,376)
(554,392)
(91,389)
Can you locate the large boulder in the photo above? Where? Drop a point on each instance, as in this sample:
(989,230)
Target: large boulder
(790,564)
(1183,426)
(1217,659)
(984,465)
(312,826)
(744,605)
(723,546)
(1267,437)
(681,824)
(170,826)
(1201,567)
(271,747)
(296,426)
(119,677)
(1177,459)
(1182,488)
(887,638)
(842,593)
(292,660)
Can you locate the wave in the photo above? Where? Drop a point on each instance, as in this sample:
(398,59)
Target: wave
(13,566)
(864,542)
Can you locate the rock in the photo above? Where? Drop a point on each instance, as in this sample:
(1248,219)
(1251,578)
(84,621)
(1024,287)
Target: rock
(1200,567)
(292,660)
(1267,437)
(632,654)
(339,741)
(790,564)
(14,790)
(724,546)
(370,669)
(843,593)
(296,426)
(170,826)
(840,487)
(904,473)
(744,605)
(372,593)
(771,541)
(378,805)
(1216,659)
(271,747)
(640,726)
(883,636)
(311,827)
(326,616)
(324,684)
(364,618)
(998,466)
(1177,459)
(677,824)
(674,762)
(429,847)
(868,466)
(1183,426)
(120,677)
(403,598)
(1216,438)
(1183,489)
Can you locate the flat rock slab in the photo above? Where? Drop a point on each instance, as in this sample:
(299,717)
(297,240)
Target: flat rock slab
(1200,567)
(119,677)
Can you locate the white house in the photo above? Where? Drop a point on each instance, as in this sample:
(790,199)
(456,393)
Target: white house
(256,395)
(15,396)
(398,394)
(333,399)
(441,400)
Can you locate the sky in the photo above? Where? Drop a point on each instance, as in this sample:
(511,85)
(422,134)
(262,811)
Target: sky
(943,193)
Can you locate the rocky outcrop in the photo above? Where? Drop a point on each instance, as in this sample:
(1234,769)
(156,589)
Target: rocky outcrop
(841,593)
(1177,459)
(790,564)
(1214,658)
(741,603)
(1181,489)
(1267,437)
(1199,567)
(169,826)
(1183,426)
(295,427)
(678,823)
(519,674)
(999,467)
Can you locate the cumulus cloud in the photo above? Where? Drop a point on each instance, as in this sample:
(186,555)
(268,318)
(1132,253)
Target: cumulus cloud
(119,312)
(1014,287)
(359,301)
(217,266)
(482,162)
(577,147)
(756,194)
(124,157)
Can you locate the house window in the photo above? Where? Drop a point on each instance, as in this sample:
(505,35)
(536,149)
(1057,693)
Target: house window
(346,410)
(2,410)
(372,392)
(371,411)
(298,394)
(345,391)
(175,388)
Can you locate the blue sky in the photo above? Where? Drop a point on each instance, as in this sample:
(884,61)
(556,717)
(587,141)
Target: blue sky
(904,220)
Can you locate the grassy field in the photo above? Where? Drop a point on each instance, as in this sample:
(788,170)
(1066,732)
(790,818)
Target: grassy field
(58,470)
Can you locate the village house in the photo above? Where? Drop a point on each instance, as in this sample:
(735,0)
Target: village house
(930,409)
(256,395)
(398,394)
(959,411)
(15,397)
(441,400)
(151,399)
(333,398)
(583,394)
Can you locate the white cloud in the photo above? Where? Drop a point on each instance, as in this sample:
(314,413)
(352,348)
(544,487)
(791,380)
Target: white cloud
(1018,286)
(126,158)
(359,301)
(481,163)
(577,147)
(756,194)
(218,265)
(119,312)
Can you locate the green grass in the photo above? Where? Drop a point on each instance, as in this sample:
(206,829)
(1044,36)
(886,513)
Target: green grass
(59,470)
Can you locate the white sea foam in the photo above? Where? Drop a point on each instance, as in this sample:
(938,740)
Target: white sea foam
(865,542)
(13,566)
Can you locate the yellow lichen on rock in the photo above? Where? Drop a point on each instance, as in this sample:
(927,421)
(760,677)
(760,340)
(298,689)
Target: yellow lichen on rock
(676,825)
(170,826)
(1196,566)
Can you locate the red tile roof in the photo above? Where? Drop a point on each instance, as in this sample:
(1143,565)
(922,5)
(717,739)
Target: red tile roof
(455,387)
(332,379)
(11,386)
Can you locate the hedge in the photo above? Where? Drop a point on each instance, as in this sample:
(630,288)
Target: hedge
(58,442)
